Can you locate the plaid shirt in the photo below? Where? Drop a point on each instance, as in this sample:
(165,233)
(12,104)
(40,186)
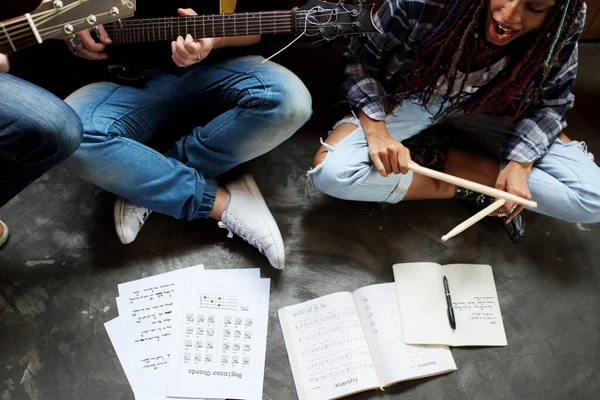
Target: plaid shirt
(375,67)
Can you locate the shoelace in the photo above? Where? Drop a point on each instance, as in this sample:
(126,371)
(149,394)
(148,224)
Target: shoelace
(141,214)
(584,147)
(242,232)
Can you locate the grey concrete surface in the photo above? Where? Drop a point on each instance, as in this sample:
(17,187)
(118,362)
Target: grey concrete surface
(60,270)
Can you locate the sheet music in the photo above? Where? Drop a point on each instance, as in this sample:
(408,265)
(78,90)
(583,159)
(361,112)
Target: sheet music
(146,307)
(327,347)
(220,339)
(395,360)
(115,334)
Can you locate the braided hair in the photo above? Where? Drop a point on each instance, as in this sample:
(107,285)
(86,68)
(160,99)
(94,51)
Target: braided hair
(444,51)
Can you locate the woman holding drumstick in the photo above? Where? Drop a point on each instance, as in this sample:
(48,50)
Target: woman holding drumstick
(500,70)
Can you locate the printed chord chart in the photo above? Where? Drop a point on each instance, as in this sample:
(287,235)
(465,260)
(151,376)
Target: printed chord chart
(218,301)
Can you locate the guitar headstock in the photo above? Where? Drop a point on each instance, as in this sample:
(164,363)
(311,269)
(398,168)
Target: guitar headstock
(331,20)
(57,19)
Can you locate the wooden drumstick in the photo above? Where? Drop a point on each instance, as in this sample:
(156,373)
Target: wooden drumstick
(474,219)
(477,187)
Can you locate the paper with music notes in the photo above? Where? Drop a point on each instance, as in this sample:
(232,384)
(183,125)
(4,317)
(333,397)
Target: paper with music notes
(395,360)
(330,353)
(220,339)
(146,308)
(346,343)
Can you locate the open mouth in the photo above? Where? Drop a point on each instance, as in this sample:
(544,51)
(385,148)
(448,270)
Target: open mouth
(500,32)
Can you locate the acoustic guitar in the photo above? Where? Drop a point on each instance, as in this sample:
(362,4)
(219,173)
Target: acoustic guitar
(55,19)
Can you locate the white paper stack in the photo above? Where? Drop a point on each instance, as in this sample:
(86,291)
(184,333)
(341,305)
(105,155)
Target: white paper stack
(193,334)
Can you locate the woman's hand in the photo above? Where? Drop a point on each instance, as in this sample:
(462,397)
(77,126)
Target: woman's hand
(388,155)
(513,179)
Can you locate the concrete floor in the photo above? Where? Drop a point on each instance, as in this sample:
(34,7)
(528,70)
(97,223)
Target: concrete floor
(60,270)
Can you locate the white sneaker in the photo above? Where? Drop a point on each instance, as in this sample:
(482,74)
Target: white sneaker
(248,216)
(129,219)
(4,236)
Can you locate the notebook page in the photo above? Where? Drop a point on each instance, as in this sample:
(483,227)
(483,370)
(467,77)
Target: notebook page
(328,351)
(395,360)
(422,301)
(476,306)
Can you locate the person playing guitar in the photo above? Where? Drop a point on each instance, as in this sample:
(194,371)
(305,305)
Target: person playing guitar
(225,112)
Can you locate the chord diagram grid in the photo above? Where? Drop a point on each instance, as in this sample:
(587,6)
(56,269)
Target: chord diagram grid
(212,340)
(218,301)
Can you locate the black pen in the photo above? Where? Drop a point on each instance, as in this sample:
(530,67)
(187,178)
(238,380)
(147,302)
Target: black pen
(449,302)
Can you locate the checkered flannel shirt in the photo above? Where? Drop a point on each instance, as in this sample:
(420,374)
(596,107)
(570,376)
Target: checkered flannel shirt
(374,69)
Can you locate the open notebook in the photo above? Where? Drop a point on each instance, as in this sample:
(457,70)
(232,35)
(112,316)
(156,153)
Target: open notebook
(422,300)
(346,343)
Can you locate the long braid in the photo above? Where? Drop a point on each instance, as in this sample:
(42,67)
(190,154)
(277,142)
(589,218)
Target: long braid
(427,73)
(525,76)
(451,76)
(572,13)
(443,53)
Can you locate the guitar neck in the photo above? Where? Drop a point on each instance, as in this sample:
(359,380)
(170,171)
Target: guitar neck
(58,20)
(202,26)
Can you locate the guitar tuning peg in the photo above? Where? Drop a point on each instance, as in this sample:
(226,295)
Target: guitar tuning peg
(75,41)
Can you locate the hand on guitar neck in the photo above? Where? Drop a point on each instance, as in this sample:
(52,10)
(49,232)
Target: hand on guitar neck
(87,47)
(186,51)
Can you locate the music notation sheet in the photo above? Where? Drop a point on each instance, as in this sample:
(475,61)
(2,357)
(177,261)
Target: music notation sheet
(220,339)
(146,309)
(345,343)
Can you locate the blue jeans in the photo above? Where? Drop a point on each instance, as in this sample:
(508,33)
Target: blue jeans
(251,108)
(565,182)
(37,131)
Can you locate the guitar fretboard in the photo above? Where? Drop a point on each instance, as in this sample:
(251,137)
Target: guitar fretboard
(202,26)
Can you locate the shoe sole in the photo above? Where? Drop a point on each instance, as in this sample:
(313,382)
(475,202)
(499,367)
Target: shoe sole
(4,236)
(271,223)
(118,217)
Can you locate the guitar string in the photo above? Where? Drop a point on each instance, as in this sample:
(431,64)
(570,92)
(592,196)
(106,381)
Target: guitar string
(50,31)
(38,17)
(306,21)
(267,16)
(139,26)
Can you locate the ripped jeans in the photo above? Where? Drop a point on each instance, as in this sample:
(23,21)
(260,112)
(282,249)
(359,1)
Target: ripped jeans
(565,182)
